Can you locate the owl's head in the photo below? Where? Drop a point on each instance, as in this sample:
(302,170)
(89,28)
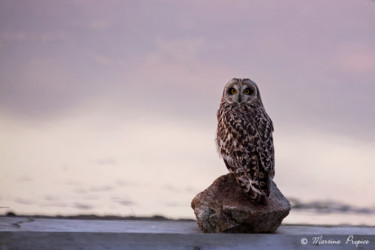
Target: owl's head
(241,91)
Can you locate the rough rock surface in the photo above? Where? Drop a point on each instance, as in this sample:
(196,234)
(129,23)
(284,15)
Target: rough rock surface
(223,207)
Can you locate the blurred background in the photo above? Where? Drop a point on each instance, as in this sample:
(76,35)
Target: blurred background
(109,107)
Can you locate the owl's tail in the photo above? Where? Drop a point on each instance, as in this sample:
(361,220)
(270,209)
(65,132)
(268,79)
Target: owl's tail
(257,190)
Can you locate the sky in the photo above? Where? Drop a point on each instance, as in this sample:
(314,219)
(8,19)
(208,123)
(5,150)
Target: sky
(110,107)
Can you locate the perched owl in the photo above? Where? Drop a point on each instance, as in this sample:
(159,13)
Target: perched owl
(244,138)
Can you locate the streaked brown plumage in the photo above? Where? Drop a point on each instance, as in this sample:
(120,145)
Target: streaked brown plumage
(244,138)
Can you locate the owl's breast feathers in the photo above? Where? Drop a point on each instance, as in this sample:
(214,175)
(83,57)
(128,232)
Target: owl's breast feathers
(244,139)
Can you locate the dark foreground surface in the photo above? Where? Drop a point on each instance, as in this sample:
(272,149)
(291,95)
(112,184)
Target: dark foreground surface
(44,233)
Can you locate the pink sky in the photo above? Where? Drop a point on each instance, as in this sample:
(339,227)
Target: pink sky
(117,73)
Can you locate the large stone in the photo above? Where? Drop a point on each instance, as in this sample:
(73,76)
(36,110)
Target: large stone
(223,207)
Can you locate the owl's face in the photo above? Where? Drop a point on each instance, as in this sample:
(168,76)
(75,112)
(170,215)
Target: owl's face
(241,91)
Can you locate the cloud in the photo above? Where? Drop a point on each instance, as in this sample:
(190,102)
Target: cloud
(82,206)
(32,37)
(357,58)
(173,59)
(109,161)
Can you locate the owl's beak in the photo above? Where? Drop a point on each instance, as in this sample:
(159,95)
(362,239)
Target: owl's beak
(239,98)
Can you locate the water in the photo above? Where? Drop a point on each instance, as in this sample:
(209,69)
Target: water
(86,165)
(120,198)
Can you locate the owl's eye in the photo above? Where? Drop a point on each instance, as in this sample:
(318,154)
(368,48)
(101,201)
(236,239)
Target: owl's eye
(232,91)
(248,91)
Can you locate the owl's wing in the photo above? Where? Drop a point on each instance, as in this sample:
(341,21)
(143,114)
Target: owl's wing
(266,149)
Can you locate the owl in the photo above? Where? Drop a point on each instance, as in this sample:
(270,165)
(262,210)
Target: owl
(244,138)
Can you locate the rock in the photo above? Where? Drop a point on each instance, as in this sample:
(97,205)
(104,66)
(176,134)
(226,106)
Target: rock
(223,207)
